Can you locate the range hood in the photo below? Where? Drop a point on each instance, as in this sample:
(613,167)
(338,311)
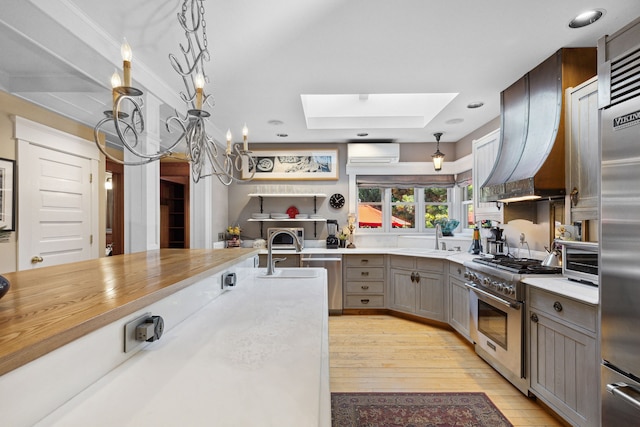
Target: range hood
(531,156)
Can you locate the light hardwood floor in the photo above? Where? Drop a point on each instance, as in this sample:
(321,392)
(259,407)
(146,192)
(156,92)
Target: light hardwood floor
(388,354)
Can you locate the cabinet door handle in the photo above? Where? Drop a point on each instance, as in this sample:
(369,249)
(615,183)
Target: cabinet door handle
(417,277)
(534,318)
(364,261)
(557,306)
(364,273)
(364,287)
(413,276)
(459,270)
(36,259)
(364,301)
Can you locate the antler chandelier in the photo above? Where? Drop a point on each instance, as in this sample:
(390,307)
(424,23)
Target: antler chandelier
(202,152)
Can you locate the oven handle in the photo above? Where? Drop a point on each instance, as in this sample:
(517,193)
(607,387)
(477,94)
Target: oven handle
(494,298)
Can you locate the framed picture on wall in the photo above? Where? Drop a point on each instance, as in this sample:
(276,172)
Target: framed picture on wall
(7,195)
(294,165)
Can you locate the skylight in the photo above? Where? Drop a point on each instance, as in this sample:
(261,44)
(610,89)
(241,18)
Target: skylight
(373,111)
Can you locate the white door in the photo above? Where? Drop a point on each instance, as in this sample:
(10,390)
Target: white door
(57,214)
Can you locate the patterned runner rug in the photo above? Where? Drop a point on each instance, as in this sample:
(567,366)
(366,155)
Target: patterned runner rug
(414,410)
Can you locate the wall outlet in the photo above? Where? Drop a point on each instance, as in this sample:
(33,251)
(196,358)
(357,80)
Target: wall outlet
(221,237)
(131,342)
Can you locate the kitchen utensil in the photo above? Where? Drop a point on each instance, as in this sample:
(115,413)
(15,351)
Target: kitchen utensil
(332,240)
(554,256)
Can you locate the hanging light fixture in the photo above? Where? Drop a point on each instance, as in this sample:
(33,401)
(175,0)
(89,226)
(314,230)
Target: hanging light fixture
(438,157)
(202,152)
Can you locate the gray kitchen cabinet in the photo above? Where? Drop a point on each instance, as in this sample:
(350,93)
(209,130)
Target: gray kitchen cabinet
(364,281)
(583,150)
(459,312)
(484,153)
(416,286)
(564,356)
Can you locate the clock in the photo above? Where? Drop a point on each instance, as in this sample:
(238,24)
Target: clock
(336,201)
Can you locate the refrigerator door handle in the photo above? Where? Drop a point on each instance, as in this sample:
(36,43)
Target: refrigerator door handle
(626,392)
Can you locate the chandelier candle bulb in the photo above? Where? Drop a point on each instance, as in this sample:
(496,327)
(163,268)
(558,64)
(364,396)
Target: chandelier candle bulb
(115,83)
(228,141)
(245,135)
(199,83)
(127,55)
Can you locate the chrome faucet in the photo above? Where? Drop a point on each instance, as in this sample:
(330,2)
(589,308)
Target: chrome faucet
(271,263)
(438,235)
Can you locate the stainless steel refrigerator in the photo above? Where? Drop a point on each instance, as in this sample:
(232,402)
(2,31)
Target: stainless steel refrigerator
(619,99)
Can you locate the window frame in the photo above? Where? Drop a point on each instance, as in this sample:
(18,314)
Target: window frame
(454,196)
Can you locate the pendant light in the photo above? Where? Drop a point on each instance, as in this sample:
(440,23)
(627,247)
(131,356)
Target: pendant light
(438,157)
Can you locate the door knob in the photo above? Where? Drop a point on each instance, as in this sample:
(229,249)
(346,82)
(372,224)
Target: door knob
(36,259)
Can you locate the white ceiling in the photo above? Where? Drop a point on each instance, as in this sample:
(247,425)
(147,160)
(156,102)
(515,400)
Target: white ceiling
(266,53)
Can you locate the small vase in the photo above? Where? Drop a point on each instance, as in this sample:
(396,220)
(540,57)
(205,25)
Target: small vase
(234,242)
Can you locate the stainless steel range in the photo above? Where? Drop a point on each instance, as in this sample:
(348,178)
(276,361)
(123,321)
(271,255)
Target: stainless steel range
(498,310)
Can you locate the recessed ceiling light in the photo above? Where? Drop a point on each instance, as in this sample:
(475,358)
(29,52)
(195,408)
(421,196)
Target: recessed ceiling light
(361,134)
(477,104)
(275,122)
(282,135)
(454,121)
(586,18)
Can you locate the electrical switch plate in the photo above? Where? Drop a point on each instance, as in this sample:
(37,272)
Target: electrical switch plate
(130,340)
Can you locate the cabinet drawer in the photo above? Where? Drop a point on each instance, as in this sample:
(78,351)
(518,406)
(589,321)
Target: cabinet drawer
(567,309)
(364,301)
(430,264)
(407,262)
(365,260)
(355,273)
(456,270)
(365,287)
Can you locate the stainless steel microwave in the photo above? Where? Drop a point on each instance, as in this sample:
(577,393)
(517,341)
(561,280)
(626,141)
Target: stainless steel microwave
(580,261)
(284,240)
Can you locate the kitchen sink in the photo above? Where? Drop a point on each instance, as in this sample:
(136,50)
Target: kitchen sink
(290,273)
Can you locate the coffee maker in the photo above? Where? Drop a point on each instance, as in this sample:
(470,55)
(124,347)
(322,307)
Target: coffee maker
(332,240)
(496,241)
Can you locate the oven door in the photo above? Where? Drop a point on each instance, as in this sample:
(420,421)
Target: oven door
(498,333)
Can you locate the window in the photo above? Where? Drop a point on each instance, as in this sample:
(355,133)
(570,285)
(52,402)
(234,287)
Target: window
(403,208)
(370,207)
(436,205)
(413,203)
(467,207)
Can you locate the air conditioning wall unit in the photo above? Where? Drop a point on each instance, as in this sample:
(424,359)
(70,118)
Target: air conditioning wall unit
(373,153)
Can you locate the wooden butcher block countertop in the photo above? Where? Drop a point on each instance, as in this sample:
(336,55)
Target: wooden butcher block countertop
(49,307)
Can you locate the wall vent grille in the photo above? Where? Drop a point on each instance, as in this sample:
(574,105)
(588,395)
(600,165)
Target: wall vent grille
(625,77)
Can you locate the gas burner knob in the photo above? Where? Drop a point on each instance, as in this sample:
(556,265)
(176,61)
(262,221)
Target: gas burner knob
(486,281)
(511,290)
(500,287)
(467,275)
(495,285)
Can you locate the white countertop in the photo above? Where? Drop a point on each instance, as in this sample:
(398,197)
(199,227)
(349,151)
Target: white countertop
(565,287)
(455,256)
(255,356)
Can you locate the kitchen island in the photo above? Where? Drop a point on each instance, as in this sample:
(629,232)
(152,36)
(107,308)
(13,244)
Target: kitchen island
(63,330)
(255,356)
